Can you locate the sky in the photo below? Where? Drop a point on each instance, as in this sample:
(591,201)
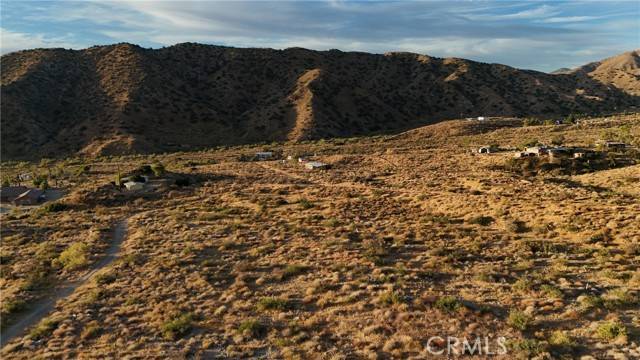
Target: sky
(538,35)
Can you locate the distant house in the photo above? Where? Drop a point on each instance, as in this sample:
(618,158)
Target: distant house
(313,165)
(487,149)
(10,193)
(133,185)
(559,152)
(584,154)
(481,118)
(537,150)
(264,155)
(612,145)
(29,197)
(522,154)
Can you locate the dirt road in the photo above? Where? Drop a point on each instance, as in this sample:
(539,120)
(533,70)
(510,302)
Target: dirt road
(38,310)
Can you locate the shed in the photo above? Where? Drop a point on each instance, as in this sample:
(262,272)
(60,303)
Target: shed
(9,193)
(29,197)
(583,154)
(312,165)
(522,154)
(486,150)
(264,155)
(132,185)
(537,150)
(613,145)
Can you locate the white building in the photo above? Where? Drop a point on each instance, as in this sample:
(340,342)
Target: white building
(312,165)
(132,185)
(264,155)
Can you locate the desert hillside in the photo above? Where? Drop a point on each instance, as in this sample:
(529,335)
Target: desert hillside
(124,99)
(621,71)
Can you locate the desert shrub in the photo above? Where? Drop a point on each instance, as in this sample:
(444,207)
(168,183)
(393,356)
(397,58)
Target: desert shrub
(603,236)
(551,291)
(516,226)
(527,348)
(481,220)
(91,330)
(375,250)
(54,207)
(177,326)
(75,256)
(390,298)
(532,122)
(292,270)
(519,320)
(529,143)
(448,304)
(561,340)
(558,140)
(157,169)
(105,278)
(10,306)
(611,330)
(522,285)
(252,327)
(618,298)
(305,204)
(44,328)
(631,248)
(591,302)
(272,303)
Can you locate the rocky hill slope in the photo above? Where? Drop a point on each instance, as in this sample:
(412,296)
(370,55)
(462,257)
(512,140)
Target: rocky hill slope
(123,98)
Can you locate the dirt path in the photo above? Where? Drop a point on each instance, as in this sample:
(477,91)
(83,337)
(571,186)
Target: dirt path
(38,310)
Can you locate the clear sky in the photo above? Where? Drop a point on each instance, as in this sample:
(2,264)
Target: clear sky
(540,35)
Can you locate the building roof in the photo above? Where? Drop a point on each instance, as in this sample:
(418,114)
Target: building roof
(315,164)
(33,194)
(12,191)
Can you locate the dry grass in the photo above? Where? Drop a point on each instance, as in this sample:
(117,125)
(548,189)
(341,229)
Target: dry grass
(380,259)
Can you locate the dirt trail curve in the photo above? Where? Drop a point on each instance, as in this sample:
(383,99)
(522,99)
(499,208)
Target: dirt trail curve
(40,309)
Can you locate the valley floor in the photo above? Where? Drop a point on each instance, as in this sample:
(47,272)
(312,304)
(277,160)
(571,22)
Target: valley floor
(407,243)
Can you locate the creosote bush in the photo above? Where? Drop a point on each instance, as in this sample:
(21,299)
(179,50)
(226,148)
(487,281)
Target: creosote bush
(252,327)
(448,304)
(611,330)
(177,326)
(75,256)
(519,320)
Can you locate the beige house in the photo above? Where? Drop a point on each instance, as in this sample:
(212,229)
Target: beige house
(313,165)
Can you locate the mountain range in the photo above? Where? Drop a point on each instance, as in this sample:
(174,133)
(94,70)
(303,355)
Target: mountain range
(120,99)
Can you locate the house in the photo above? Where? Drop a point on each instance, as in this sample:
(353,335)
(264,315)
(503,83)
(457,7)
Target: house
(29,197)
(612,145)
(264,155)
(522,154)
(584,154)
(312,165)
(132,185)
(537,150)
(486,149)
(559,152)
(9,193)
(481,118)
